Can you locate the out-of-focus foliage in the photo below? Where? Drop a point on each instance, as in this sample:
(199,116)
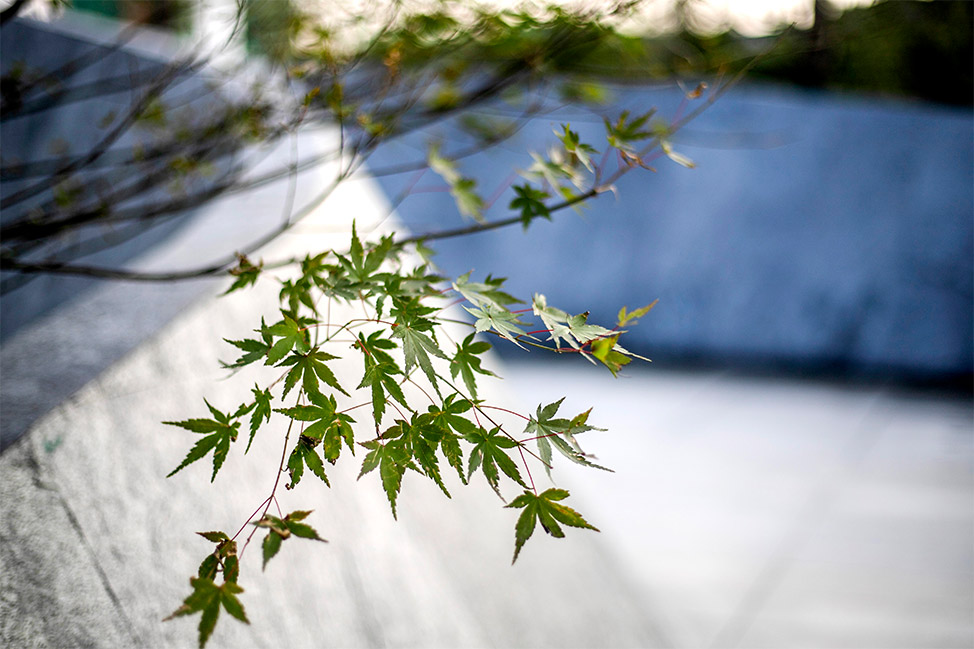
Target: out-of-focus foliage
(173,14)
(914,49)
(904,48)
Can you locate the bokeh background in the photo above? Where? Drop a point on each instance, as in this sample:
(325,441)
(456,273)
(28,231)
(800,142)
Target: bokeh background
(796,465)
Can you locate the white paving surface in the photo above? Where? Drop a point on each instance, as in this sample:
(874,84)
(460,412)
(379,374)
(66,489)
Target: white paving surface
(772,513)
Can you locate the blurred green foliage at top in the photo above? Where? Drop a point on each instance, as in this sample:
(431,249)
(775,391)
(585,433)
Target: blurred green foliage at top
(172,14)
(907,48)
(902,48)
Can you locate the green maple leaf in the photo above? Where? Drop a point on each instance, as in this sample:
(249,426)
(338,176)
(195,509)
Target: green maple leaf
(465,362)
(254,350)
(310,367)
(330,426)
(380,372)
(392,459)
(626,318)
(361,267)
(281,529)
(452,425)
(418,283)
(530,202)
(421,438)
(545,509)
(489,453)
(500,320)
(217,433)
(488,292)
(608,352)
(225,555)
(554,169)
(333,280)
(292,336)
(207,598)
(625,132)
(442,166)
(555,320)
(573,329)
(560,433)
(262,412)
(469,202)
(579,150)
(583,332)
(298,291)
(416,347)
(304,454)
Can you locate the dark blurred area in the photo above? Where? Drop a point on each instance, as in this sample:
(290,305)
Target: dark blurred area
(171,14)
(904,48)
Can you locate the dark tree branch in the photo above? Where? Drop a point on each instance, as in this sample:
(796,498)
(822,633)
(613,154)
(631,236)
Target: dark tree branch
(102,146)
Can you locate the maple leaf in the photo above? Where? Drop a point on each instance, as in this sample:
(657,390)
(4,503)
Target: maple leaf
(207,598)
(500,320)
(579,150)
(330,426)
(281,529)
(489,453)
(411,326)
(484,293)
(361,267)
(545,509)
(254,350)
(380,370)
(292,336)
(218,433)
(465,362)
(445,167)
(298,291)
(626,318)
(224,555)
(625,132)
(574,329)
(392,460)
(304,454)
(415,346)
(608,352)
(530,202)
(422,437)
(262,412)
(554,169)
(560,433)
(245,274)
(447,419)
(469,203)
(310,367)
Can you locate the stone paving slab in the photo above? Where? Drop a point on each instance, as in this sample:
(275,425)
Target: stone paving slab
(773,513)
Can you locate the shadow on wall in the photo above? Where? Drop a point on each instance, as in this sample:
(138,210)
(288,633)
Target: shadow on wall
(90,88)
